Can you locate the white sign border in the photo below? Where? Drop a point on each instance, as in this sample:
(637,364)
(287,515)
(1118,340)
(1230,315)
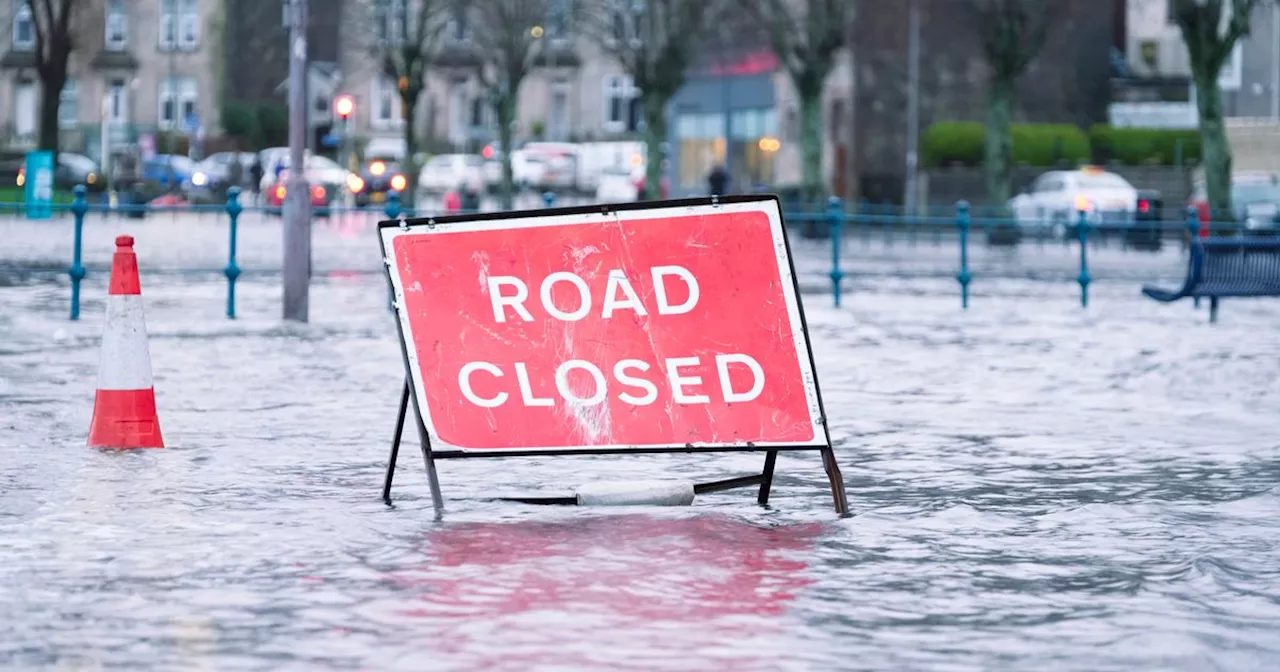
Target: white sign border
(769,206)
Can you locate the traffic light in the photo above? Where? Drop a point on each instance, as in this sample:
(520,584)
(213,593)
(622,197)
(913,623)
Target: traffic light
(344,106)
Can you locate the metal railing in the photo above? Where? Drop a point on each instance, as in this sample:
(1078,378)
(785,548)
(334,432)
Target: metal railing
(833,222)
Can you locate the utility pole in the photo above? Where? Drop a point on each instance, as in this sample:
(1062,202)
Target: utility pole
(1275,62)
(913,108)
(297,200)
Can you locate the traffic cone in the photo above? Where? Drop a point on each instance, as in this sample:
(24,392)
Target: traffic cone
(124,406)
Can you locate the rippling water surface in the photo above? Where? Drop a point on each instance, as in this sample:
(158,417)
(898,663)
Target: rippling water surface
(1033,485)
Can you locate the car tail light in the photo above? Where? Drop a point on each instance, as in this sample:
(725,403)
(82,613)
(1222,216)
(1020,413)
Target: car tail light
(280,192)
(317,191)
(1144,206)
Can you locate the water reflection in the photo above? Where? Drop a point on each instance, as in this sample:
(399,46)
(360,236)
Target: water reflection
(634,590)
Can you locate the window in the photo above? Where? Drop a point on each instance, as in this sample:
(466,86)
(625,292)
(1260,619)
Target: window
(391,22)
(189,25)
(621,105)
(752,124)
(168,23)
(558,116)
(24,30)
(68,112)
(558,21)
(179,24)
(117,102)
(178,104)
(459,26)
(116,25)
(386,103)
(478,109)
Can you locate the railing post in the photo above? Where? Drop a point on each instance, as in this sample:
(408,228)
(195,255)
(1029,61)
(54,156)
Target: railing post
(1193,230)
(78,207)
(232,271)
(835,218)
(1084,278)
(393,204)
(549,199)
(963,277)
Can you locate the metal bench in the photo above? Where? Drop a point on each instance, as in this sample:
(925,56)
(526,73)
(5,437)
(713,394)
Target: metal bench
(1221,267)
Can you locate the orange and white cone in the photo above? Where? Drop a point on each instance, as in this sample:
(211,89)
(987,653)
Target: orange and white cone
(124,407)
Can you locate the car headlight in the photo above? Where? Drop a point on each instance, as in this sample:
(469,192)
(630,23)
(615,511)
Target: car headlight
(399,183)
(355,183)
(198,179)
(91,178)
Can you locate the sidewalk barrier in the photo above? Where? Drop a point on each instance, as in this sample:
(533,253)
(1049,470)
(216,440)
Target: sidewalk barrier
(124,405)
(1084,278)
(232,271)
(963,277)
(549,199)
(835,215)
(78,208)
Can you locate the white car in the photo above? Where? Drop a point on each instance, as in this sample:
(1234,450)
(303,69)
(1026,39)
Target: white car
(619,185)
(1054,201)
(445,172)
(528,170)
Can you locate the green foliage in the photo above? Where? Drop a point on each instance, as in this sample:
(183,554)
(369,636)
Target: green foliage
(1144,146)
(172,142)
(963,142)
(256,126)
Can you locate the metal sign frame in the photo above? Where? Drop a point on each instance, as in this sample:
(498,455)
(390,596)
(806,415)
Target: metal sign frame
(764,479)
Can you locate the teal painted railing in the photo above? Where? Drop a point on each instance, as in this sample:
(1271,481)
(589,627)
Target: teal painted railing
(835,221)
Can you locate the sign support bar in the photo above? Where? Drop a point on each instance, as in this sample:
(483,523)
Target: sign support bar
(763,479)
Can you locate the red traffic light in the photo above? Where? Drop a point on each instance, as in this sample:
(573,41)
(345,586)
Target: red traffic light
(344,106)
(487,152)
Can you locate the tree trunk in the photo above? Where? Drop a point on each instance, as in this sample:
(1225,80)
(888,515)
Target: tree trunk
(814,187)
(409,103)
(50,97)
(655,136)
(998,158)
(505,109)
(1215,152)
(999,142)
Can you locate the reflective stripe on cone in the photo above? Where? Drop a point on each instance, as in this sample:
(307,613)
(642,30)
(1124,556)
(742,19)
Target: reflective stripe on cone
(124,407)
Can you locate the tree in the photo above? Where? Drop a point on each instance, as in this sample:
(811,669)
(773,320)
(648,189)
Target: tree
(1012,32)
(506,38)
(55,26)
(805,35)
(408,35)
(655,42)
(1210,34)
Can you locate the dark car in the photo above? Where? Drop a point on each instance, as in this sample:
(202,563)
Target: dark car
(72,169)
(376,178)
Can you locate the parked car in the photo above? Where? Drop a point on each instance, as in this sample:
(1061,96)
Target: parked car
(1255,201)
(210,179)
(528,170)
(1053,203)
(445,172)
(619,185)
(167,171)
(72,169)
(320,195)
(376,178)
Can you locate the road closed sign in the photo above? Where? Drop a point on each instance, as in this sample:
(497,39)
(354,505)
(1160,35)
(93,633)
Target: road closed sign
(662,325)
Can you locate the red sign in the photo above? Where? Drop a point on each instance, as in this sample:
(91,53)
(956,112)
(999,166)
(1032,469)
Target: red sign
(653,327)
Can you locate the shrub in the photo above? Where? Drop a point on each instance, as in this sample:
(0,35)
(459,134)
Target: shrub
(963,142)
(273,120)
(240,120)
(1144,146)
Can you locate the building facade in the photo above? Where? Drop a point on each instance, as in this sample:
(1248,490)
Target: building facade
(140,67)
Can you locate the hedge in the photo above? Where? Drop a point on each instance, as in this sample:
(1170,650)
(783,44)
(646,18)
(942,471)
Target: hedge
(963,142)
(1149,146)
(260,126)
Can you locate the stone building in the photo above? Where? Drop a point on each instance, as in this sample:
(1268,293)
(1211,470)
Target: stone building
(140,66)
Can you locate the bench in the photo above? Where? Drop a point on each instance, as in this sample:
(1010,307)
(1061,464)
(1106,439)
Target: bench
(1221,267)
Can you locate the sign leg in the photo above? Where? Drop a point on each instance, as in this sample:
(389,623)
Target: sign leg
(766,478)
(395,445)
(837,481)
(437,499)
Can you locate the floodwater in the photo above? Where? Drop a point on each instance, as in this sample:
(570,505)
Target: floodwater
(1033,485)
